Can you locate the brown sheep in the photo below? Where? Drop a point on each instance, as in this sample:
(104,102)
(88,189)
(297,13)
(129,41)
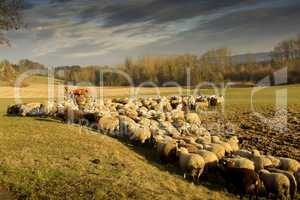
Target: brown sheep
(245,181)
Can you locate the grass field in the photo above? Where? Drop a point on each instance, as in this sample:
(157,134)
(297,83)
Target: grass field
(42,158)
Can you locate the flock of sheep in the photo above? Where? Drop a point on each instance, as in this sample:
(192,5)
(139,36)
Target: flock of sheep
(173,128)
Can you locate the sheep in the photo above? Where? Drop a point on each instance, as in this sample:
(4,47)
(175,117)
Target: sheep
(138,133)
(27,109)
(14,109)
(275,183)
(124,123)
(245,181)
(227,147)
(169,128)
(297,176)
(215,139)
(71,116)
(213,101)
(261,162)
(168,117)
(243,153)
(177,115)
(90,118)
(159,116)
(201,106)
(175,101)
(167,150)
(289,164)
(204,139)
(121,100)
(239,162)
(275,161)
(192,148)
(210,158)
(191,164)
(234,143)
(143,111)
(145,121)
(255,152)
(109,125)
(218,149)
(293,182)
(132,113)
(166,106)
(192,118)
(182,127)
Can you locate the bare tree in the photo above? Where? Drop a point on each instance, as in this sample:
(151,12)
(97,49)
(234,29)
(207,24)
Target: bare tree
(10,17)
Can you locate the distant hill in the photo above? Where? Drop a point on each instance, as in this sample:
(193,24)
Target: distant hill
(244,58)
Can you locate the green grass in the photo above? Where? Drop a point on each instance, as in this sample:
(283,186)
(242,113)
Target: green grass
(42,158)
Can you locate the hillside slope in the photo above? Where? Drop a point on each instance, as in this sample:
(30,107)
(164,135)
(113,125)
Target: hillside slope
(45,159)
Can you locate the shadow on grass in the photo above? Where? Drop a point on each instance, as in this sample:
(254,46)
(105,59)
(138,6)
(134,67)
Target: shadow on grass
(213,182)
(47,119)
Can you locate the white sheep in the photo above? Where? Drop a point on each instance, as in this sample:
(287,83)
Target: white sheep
(201,106)
(261,162)
(289,164)
(210,158)
(204,139)
(227,146)
(218,149)
(109,125)
(240,162)
(124,123)
(234,143)
(275,183)
(192,118)
(166,149)
(243,153)
(275,161)
(255,152)
(169,128)
(191,164)
(215,139)
(177,115)
(139,133)
(293,182)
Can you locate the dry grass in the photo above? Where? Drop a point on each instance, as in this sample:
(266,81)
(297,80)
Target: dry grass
(45,159)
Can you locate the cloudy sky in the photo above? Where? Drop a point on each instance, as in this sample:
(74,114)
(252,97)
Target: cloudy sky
(65,32)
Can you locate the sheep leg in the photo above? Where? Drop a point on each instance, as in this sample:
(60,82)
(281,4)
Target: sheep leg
(199,174)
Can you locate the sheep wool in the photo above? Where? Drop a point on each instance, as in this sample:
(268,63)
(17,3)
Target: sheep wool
(293,182)
(289,164)
(275,183)
(210,159)
(191,164)
(239,162)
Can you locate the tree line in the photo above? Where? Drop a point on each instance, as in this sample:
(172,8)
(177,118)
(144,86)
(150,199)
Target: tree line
(215,66)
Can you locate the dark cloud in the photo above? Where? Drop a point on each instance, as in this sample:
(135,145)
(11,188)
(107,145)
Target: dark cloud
(161,11)
(70,30)
(256,18)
